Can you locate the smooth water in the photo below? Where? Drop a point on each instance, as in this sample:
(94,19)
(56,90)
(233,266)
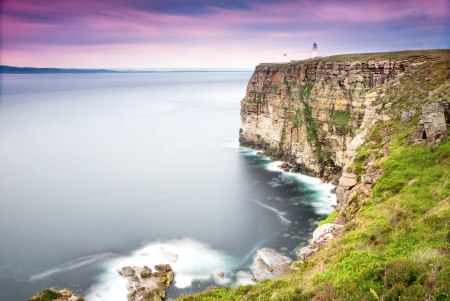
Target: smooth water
(102,170)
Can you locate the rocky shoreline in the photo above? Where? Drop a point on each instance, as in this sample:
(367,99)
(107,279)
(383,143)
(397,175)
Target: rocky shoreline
(145,285)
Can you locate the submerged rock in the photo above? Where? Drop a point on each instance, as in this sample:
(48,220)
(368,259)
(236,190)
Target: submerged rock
(268,265)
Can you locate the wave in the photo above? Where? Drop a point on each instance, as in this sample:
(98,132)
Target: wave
(190,260)
(72,265)
(279,213)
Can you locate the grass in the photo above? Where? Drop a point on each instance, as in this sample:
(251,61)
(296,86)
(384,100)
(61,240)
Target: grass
(406,55)
(396,245)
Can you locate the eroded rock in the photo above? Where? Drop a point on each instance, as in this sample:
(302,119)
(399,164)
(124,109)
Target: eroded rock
(142,285)
(434,123)
(348,180)
(321,236)
(268,265)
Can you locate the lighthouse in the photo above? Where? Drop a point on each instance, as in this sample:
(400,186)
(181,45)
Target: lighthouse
(285,58)
(314,50)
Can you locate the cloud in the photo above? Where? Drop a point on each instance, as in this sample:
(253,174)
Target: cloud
(210,30)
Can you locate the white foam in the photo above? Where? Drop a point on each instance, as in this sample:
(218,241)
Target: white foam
(196,261)
(279,213)
(72,265)
(324,198)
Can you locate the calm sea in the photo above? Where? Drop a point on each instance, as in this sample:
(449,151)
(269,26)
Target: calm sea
(102,170)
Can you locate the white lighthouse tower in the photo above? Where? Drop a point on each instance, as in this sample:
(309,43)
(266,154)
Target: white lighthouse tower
(285,58)
(314,50)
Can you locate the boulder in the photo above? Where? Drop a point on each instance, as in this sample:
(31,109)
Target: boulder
(143,285)
(321,236)
(407,115)
(434,123)
(348,180)
(268,265)
(128,271)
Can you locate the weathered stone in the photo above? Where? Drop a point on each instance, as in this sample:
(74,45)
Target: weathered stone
(221,275)
(433,117)
(348,180)
(143,285)
(128,271)
(412,182)
(279,265)
(321,236)
(407,115)
(146,273)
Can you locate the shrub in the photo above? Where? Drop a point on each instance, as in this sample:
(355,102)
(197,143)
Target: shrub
(400,271)
(395,292)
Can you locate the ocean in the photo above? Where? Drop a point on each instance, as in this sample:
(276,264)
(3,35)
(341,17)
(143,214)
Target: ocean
(98,171)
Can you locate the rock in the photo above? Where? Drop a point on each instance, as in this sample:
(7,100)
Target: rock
(340,220)
(407,115)
(388,105)
(434,124)
(128,271)
(279,265)
(372,176)
(339,87)
(321,236)
(412,182)
(348,180)
(221,275)
(146,272)
(143,285)
(384,118)
(56,295)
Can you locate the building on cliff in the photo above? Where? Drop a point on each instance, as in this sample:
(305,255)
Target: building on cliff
(314,50)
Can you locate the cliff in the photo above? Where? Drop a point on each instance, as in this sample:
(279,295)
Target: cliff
(308,112)
(377,126)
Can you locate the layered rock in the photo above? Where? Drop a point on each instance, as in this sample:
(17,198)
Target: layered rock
(308,112)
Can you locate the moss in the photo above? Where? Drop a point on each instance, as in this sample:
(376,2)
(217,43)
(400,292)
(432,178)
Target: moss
(46,295)
(330,218)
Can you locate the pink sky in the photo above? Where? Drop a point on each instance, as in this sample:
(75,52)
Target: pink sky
(210,34)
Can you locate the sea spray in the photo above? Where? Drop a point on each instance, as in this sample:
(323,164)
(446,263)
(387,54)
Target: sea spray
(189,259)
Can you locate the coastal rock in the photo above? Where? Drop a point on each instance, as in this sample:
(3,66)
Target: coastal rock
(321,236)
(143,285)
(56,295)
(308,111)
(434,123)
(269,265)
(348,180)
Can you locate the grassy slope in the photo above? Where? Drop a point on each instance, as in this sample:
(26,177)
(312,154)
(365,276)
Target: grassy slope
(410,55)
(397,243)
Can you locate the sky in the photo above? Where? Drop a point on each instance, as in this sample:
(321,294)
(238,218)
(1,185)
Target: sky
(211,33)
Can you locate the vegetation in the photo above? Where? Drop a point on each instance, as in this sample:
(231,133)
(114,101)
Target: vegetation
(51,294)
(396,245)
(409,55)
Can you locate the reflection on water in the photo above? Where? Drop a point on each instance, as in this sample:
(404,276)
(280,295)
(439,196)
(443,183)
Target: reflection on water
(97,168)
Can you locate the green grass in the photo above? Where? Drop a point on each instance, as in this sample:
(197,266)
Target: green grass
(409,55)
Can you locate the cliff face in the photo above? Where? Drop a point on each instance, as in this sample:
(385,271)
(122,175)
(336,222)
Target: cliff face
(308,112)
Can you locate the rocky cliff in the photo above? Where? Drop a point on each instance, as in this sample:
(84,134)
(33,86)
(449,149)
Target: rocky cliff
(378,126)
(308,112)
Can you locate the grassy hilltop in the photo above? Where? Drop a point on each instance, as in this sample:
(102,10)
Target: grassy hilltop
(396,243)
